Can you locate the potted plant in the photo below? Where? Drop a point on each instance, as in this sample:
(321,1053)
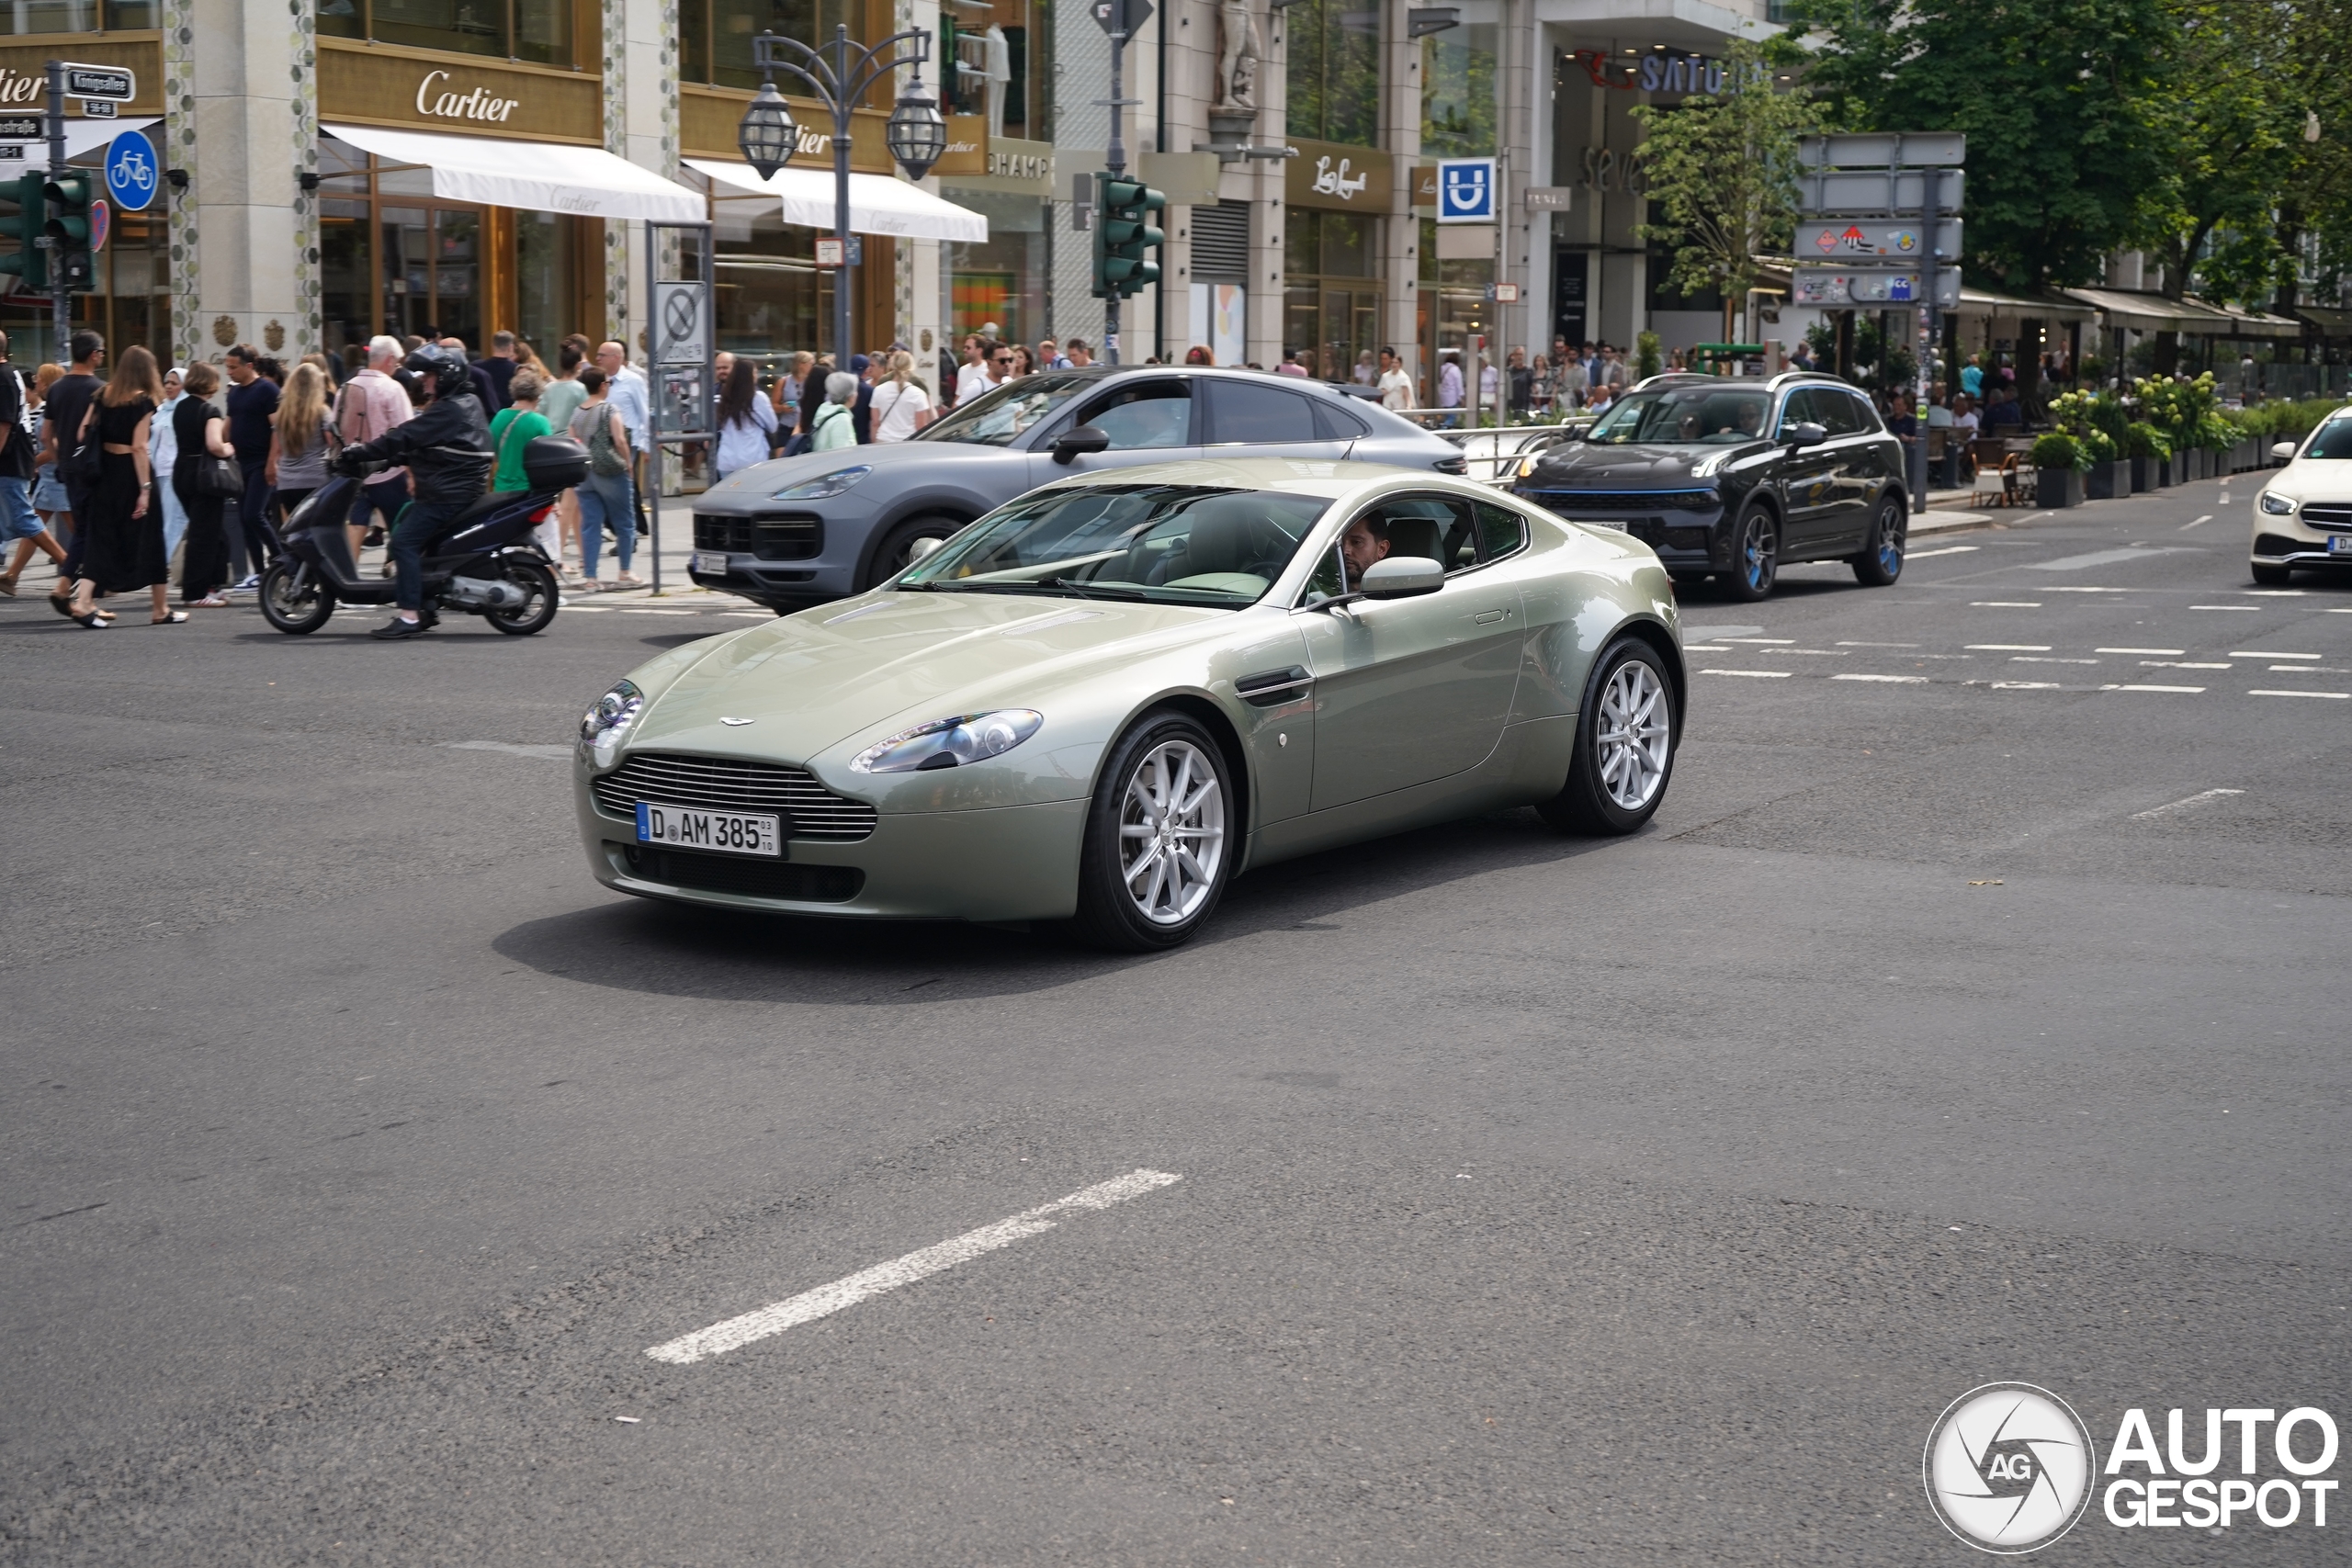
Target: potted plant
(2087,419)
(2058,463)
(2143,450)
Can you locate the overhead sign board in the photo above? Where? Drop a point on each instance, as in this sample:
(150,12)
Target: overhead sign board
(117,83)
(1871,286)
(1864,240)
(1884,150)
(1878,192)
(1466,190)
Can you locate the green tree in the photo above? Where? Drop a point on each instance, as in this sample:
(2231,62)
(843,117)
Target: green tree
(1722,174)
(2066,150)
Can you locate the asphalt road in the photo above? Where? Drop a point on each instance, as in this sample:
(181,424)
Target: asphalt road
(1971,1011)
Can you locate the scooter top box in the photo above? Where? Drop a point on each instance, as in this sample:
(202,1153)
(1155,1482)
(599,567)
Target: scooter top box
(555,462)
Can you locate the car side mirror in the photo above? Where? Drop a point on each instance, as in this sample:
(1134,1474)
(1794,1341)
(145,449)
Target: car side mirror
(1804,433)
(1079,441)
(922,547)
(1401,577)
(2284,451)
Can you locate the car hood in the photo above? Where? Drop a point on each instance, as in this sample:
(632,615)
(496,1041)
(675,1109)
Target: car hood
(756,485)
(890,660)
(1582,465)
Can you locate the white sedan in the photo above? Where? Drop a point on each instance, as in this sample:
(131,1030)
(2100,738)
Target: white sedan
(2303,517)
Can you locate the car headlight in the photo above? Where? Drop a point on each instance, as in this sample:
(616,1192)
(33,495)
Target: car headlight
(824,486)
(601,727)
(950,742)
(2277,505)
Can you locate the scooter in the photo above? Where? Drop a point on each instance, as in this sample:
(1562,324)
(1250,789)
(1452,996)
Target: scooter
(487,564)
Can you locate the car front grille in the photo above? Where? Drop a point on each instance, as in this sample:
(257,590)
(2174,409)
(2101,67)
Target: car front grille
(1623,502)
(2327,514)
(724,784)
(1659,536)
(775,535)
(755,878)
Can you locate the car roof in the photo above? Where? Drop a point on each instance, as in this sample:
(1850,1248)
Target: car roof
(1330,480)
(1786,379)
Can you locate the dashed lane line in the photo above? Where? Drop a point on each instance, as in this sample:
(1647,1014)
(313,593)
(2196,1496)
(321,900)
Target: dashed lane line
(2183,805)
(2042,658)
(1843,643)
(2201,522)
(866,1283)
(2338,696)
(2007,647)
(2004,603)
(1890,680)
(1946,550)
(2226,606)
(2184,689)
(2180,664)
(1755,674)
(2267,653)
(2158,652)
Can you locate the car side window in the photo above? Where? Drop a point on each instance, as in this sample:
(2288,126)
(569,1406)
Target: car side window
(1441,528)
(1839,413)
(1247,411)
(1501,531)
(1798,409)
(1138,418)
(1859,410)
(1333,422)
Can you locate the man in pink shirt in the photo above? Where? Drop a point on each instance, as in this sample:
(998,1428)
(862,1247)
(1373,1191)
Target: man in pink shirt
(369,404)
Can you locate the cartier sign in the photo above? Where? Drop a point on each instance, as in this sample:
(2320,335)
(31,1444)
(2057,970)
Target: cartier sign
(436,96)
(24,73)
(378,86)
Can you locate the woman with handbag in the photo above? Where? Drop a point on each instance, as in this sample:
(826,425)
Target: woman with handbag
(207,479)
(124,527)
(608,496)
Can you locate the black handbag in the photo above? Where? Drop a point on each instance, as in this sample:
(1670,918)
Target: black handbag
(85,464)
(220,477)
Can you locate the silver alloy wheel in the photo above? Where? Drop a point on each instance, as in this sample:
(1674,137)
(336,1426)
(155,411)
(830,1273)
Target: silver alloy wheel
(1172,832)
(1632,736)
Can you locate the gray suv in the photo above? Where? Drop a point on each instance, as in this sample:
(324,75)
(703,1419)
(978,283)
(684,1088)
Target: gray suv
(799,531)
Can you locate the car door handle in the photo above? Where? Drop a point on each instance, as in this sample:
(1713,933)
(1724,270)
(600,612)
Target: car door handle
(1490,618)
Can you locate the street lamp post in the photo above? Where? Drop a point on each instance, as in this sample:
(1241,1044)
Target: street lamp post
(840,73)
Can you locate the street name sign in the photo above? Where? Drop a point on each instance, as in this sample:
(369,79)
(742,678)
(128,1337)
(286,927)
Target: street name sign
(117,84)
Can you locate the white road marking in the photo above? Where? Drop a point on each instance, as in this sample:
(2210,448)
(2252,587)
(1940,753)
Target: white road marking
(2007,647)
(1947,550)
(660,612)
(2178,664)
(2207,518)
(2062,590)
(586,609)
(2035,659)
(552,753)
(753,614)
(2267,653)
(1891,680)
(1811,652)
(1707,647)
(2166,652)
(2226,606)
(1781,640)
(1878,644)
(2109,557)
(826,1300)
(2185,689)
(1758,674)
(2004,603)
(2272,592)
(2184,804)
(2339,697)
(2309,669)
(2023,685)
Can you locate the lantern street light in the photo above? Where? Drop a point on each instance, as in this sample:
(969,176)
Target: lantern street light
(838,74)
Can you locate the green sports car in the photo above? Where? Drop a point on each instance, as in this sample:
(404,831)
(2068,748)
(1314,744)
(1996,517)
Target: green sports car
(1104,700)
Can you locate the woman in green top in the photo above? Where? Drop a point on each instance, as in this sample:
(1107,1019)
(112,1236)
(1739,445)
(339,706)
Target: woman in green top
(560,402)
(512,431)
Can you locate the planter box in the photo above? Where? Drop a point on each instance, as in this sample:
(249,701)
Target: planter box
(2143,474)
(2107,481)
(2247,458)
(2167,471)
(2055,488)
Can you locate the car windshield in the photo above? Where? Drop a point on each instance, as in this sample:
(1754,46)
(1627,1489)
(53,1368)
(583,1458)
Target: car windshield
(2333,440)
(1164,544)
(997,418)
(1685,416)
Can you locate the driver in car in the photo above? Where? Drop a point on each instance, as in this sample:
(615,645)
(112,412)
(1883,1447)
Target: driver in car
(1365,541)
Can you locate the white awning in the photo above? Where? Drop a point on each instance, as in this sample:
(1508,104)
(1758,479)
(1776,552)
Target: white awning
(540,176)
(879,204)
(81,136)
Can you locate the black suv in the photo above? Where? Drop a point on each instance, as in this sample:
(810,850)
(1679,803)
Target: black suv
(1733,479)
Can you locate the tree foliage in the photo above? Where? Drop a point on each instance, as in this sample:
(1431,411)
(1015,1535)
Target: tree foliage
(2059,100)
(1721,172)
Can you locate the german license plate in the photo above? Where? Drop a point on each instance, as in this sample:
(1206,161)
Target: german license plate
(710,561)
(721,832)
(1613,525)
(2339,544)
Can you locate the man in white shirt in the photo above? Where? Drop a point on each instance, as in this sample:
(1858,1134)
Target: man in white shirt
(1396,387)
(972,377)
(1449,380)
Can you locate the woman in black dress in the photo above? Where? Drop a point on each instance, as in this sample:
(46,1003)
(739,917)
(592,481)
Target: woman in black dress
(126,527)
(202,430)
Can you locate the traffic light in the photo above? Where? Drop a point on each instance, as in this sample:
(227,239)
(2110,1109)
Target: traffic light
(30,227)
(69,196)
(1125,235)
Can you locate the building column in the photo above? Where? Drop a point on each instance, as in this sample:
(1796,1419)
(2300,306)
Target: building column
(614,20)
(252,234)
(1400,133)
(1519,51)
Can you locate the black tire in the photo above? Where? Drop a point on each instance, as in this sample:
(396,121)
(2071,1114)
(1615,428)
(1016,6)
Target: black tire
(1592,801)
(292,601)
(2272,576)
(1754,555)
(891,556)
(536,613)
(1880,560)
(1109,915)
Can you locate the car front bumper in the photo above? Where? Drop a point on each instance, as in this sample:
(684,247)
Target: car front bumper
(794,585)
(1686,539)
(1014,863)
(2292,541)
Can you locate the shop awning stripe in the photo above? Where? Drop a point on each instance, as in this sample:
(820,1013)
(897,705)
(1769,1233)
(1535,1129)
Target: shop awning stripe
(538,176)
(878,203)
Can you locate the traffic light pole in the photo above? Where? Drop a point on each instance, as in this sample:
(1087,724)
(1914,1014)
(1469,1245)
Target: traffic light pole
(1114,161)
(60,296)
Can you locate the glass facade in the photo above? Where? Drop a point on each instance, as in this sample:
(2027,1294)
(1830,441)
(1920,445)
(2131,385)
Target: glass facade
(996,59)
(1332,292)
(22,18)
(1334,72)
(540,31)
(1458,92)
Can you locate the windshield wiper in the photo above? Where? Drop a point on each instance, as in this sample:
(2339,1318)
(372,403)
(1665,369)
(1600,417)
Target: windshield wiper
(1097,591)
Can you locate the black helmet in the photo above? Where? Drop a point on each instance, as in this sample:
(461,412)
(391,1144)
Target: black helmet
(443,370)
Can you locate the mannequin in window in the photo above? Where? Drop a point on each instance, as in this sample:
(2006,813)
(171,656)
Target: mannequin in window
(996,69)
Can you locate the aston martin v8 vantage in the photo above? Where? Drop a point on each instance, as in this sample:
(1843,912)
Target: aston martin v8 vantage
(1104,700)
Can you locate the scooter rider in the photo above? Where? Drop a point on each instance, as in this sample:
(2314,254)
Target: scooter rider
(446,451)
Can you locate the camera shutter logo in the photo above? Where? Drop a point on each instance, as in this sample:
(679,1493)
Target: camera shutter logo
(2009,1468)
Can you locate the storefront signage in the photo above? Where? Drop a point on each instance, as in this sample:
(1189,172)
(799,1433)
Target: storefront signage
(382,86)
(709,118)
(968,146)
(122,76)
(1012,166)
(1466,190)
(1337,178)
